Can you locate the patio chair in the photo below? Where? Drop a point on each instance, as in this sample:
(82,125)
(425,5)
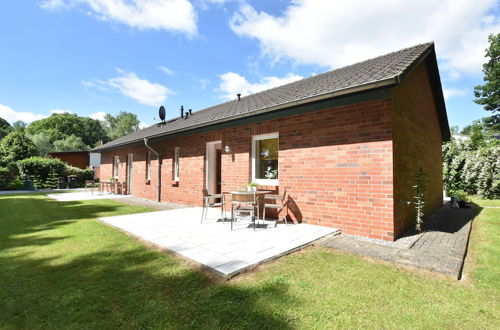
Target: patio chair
(244,203)
(90,184)
(206,204)
(275,202)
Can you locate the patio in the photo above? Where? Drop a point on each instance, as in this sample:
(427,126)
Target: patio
(213,244)
(84,195)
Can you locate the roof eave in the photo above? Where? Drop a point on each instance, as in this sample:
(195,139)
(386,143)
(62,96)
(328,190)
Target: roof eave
(386,83)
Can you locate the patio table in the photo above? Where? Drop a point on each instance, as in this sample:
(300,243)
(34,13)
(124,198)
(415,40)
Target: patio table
(246,193)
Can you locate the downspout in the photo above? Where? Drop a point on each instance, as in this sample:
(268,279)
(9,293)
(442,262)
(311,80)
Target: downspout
(158,186)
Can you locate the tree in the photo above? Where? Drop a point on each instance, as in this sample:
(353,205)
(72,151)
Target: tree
(70,143)
(5,128)
(42,141)
(488,94)
(15,146)
(123,124)
(60,126)
(94,131)
(454,129)
(19,125)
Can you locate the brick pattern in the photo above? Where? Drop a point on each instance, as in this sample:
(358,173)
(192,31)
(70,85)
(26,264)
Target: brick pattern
(76,159)
(335,164)
(349,167)
(417,143)
(441,248)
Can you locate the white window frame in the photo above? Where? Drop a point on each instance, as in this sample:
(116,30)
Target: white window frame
(116,165)
(148,166)
(177,156)
(264,182)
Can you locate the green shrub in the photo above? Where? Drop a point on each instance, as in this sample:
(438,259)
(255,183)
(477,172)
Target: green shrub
(40,169)
(8,174)
(81,175)
(16,184)
(472,167)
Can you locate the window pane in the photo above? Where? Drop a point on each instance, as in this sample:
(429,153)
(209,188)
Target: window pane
(266,159)
(115,168)
(176,164)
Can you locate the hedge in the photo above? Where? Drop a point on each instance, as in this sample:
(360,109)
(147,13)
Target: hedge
(45,171)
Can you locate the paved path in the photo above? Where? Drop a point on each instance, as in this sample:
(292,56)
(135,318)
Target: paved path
(442,248)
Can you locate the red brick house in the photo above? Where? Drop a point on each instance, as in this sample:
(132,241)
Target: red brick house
(344,145)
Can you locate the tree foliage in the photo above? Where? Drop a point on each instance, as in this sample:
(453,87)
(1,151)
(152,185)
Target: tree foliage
(473,165)
(19,125)
(70,143)
(122,124)
(15,146)
(488,94)
(42,142)
(5,128)
(60,126)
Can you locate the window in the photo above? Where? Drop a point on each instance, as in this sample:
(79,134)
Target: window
(148,166)
(176,163)
(265,159)
(116,162)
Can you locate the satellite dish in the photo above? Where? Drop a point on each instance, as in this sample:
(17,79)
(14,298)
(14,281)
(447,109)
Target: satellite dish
(162,112)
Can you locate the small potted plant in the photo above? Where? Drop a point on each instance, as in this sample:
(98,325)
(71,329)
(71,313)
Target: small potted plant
(252,186)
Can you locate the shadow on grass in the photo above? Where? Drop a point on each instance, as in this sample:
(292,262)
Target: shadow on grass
(121,285)
(28,214)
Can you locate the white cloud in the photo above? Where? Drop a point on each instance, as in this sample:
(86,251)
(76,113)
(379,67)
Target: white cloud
(454,92)
(99,115)
(168,15)
(52,4)
(166,70)
(143,125)
(60,111)
(232,84)
(129,84)
(12,115)
(141,90)
(336,33)
(97,83)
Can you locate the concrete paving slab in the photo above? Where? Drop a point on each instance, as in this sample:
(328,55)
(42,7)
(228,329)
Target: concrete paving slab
(84,196)
(212,243)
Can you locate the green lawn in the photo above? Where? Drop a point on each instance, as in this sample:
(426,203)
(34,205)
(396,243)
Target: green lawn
(60,268)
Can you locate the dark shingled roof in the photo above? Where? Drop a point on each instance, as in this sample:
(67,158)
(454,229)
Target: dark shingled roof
(387,70)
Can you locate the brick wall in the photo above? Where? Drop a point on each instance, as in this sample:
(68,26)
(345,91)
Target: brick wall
(335,164)
(76,159)
(417,143)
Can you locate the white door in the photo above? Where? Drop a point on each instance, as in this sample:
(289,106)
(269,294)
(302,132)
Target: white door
(212,177)
(130,161)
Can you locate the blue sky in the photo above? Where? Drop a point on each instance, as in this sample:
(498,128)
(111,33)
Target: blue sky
(93,56)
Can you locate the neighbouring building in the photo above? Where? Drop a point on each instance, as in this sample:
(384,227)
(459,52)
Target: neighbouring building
(95,164)
(78,159)
(345,146)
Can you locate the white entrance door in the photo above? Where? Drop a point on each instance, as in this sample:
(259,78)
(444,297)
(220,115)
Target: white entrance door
(130,161)
(213,167)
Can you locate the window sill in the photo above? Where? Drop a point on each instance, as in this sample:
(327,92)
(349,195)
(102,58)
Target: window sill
(266,182)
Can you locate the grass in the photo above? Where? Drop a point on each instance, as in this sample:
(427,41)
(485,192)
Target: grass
(60,268)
